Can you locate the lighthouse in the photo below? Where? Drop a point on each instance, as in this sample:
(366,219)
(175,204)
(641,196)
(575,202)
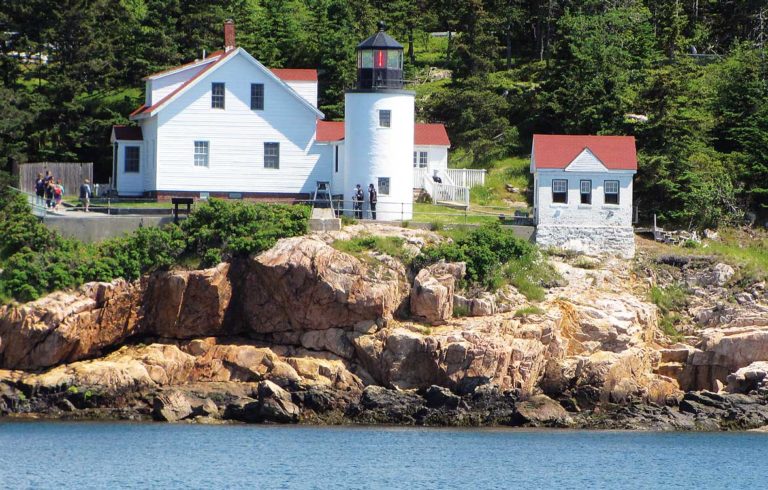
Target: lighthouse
(378,129)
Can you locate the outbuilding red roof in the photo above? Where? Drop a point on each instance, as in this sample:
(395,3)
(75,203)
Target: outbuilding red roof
(131,133)
(295,74)
(558,151)
(423,134)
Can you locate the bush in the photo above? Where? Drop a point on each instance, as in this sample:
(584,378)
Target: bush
(484,249)
(390,245)
(239,228)
(669,299)
(529,310)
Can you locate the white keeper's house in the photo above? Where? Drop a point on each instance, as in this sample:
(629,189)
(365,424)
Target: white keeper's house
(227,126)
(583,192)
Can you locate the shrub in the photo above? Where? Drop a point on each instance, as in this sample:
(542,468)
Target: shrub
(669,299)
(390,245)
(529,310)
(239,228)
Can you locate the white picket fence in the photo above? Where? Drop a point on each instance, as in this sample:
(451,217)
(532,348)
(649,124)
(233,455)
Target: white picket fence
(446,193)
(462,177)
(466,177)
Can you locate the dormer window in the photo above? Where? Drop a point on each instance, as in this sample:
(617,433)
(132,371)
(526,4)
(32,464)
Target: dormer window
(217,95)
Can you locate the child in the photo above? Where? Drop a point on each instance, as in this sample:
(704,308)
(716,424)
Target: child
(58,192)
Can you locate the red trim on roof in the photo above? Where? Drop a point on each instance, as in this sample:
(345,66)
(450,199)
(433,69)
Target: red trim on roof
(430,135)
(295,74)
(144,110)
(132,133)
(210,57)
(558,151)
(423,134)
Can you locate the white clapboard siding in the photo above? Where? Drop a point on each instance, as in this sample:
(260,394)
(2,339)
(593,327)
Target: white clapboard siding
(308,90)
(586,161)
(158,88)
(236,136)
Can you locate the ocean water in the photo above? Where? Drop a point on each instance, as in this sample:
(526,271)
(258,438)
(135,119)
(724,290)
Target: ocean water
(123,455)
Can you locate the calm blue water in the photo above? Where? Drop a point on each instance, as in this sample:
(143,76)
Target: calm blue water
(102,455)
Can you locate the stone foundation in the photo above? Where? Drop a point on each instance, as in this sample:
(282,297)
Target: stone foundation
(590,240)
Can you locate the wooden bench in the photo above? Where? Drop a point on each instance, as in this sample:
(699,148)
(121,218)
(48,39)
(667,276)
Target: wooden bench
(180,201)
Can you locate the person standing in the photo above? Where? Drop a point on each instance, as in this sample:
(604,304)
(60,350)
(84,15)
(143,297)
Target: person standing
(48,193)
(85,194)
(373,198)
(40,190)
(359,197)
(58,193)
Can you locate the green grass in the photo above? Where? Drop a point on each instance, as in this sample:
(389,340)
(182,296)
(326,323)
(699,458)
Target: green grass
(749,253)
(669,299)
(442,215)
(514,171)
(529,310)
(460,311)
(389,245)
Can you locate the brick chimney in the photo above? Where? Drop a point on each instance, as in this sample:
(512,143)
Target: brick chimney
(229,35)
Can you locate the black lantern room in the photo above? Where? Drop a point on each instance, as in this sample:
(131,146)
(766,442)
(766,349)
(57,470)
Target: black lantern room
(379,62)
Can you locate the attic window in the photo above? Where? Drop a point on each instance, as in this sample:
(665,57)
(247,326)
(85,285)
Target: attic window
(611,188)
(217,95)
(560,191)
(257,96)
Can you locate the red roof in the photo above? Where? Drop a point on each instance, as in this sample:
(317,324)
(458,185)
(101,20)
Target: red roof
(430,135)
(330,131)
(132,133)
(558,151)
(296,74)
(423,134)
(209,58)
(144,109)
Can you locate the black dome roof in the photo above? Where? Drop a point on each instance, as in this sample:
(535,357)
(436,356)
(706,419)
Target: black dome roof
(380,40)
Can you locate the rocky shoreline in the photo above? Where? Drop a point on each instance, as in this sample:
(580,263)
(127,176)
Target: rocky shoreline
(304,333)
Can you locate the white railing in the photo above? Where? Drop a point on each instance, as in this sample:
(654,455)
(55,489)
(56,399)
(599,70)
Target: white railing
(428,184)
(466,177)
(418,177)
(450,193)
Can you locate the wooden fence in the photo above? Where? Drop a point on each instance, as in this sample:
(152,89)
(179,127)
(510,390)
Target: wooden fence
(71,174)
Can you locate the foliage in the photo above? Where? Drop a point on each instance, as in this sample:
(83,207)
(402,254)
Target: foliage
(493,256)
(669,299)
(219,230)
(389,245)
(35,260)
(529,310)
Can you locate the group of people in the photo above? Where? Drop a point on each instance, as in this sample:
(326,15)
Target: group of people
(49,192)
(358,198)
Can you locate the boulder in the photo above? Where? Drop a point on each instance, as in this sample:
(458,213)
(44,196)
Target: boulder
(437,397)
(304,284)
(171,406)
(275,404)
(432,296)
(332,340)
(749,378)
(68,326)
(541,411)
(718,275)
(188,304)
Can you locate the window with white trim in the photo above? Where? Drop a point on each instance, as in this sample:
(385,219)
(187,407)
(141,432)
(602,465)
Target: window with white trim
(272,155)
(586,191)
(385,118)
(383,186)
(202,152)
(423,158)
(131,161)
(257,96)
(217,95)
(611,189)
(560,191)
(415,159)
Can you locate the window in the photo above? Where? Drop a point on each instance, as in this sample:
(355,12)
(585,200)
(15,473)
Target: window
(611,188)
(201,153)
(271,155)
(385,118)
(415,159)
(383,186)
(560,190)
(366,59)
(422,159)
(217,95)
(257,96)
(394,60)
(336,157)
(586,192)
(131,159)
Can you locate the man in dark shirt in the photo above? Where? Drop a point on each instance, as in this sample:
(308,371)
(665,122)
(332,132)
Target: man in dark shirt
(372,200)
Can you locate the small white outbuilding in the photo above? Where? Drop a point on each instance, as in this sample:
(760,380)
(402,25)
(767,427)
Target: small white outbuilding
(583,193)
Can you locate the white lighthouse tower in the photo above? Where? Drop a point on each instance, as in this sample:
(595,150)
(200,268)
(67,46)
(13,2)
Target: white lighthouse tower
(378,129)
